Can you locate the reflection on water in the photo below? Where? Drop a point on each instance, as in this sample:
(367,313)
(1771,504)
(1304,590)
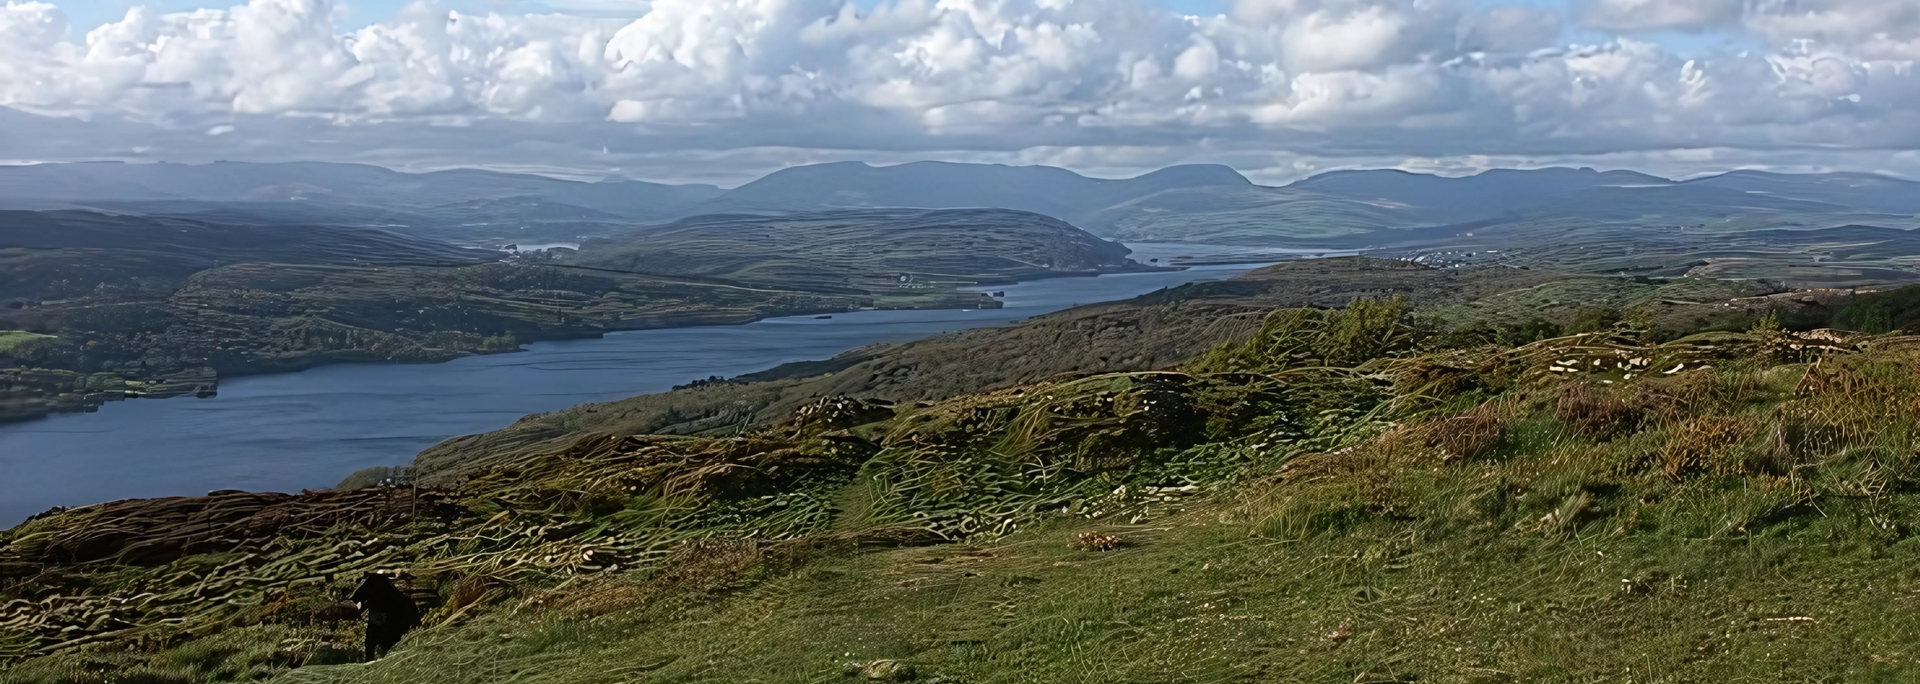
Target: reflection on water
(291,431)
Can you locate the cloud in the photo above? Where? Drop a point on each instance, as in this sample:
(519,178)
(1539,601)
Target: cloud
(1650,15)
(1313,79)
(1878,29)
(1510,29)
(31,26)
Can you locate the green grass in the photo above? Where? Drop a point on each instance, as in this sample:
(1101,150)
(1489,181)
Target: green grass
(1750,522)
(1252,593)
(239,655)
(1418,513)
(13,338)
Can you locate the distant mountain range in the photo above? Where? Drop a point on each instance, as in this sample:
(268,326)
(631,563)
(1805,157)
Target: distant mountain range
(485,205)
(1191,204)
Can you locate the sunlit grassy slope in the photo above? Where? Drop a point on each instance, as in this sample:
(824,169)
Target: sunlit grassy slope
(1342,496)
(1749,520)
(10,338)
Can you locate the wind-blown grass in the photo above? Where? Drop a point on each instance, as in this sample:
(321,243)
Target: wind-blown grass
(1336,499)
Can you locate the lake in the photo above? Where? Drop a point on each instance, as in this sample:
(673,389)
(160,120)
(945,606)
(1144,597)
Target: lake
(308,430)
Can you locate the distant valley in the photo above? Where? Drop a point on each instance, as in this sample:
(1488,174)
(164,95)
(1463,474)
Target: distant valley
(102,306)
(131,279)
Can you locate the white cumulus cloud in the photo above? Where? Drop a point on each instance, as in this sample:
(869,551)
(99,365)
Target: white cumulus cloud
(1877,29)
(1307,78)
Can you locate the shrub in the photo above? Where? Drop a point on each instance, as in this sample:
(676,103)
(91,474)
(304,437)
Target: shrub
(1297,338)
(1881,312)
(1595,319)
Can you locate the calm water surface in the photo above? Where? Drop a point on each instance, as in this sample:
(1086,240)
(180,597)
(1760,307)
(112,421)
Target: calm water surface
(309,429)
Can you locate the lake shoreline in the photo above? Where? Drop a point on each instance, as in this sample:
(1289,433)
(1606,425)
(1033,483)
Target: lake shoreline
(307,429)
(206,378)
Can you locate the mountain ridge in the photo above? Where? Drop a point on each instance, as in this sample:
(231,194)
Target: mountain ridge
(1383,211)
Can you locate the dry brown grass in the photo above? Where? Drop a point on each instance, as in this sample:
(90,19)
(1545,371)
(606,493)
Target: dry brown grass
(1097,541)
(477,590)
(1706,445)
(1594,413)
(1469,435)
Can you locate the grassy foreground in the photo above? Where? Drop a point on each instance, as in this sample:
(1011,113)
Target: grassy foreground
(1750,522)
(1342,497)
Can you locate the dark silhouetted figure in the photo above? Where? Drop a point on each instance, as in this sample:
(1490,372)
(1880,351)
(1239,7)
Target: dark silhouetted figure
(389,612)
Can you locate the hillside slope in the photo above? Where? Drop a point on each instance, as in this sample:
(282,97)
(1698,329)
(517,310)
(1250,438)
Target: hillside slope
(1562,218)
(1337,495)
(1044,190)
(61,254)
(862,249)
(1149,332)
(326,183)
(121,305)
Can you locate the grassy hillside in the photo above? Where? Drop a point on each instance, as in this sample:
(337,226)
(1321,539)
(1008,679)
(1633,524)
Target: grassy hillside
(54,255)
(264,317)
(12,338)
(1742,522)
(1357,494)
(1153,331)
(866,250)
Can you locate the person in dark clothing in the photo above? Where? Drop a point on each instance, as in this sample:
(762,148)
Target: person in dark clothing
(389,612)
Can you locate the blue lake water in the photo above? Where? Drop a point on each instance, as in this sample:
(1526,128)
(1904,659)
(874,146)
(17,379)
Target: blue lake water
(307,430)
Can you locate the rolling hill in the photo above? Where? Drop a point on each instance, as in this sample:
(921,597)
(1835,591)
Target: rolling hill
(1250,487)
(97,306)
(58,254)
(1613,215)
(859,249)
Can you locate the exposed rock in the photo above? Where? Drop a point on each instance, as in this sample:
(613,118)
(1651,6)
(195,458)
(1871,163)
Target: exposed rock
(881,671)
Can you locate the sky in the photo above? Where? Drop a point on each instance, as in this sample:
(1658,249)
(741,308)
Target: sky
(722,91)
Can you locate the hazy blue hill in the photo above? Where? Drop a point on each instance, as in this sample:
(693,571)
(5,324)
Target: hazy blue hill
(268,213)
(1249,215)
(524,208)
(1378,209)
(630,198)
(1862,191)
(357,184)
(920,184)
(1442,199)
(89,230)
(1192,175)
(483,223)
(467,206)
(1677,201)
(47,255)
(1341,204)
(1389,209)
(220,181)
(1044,190)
